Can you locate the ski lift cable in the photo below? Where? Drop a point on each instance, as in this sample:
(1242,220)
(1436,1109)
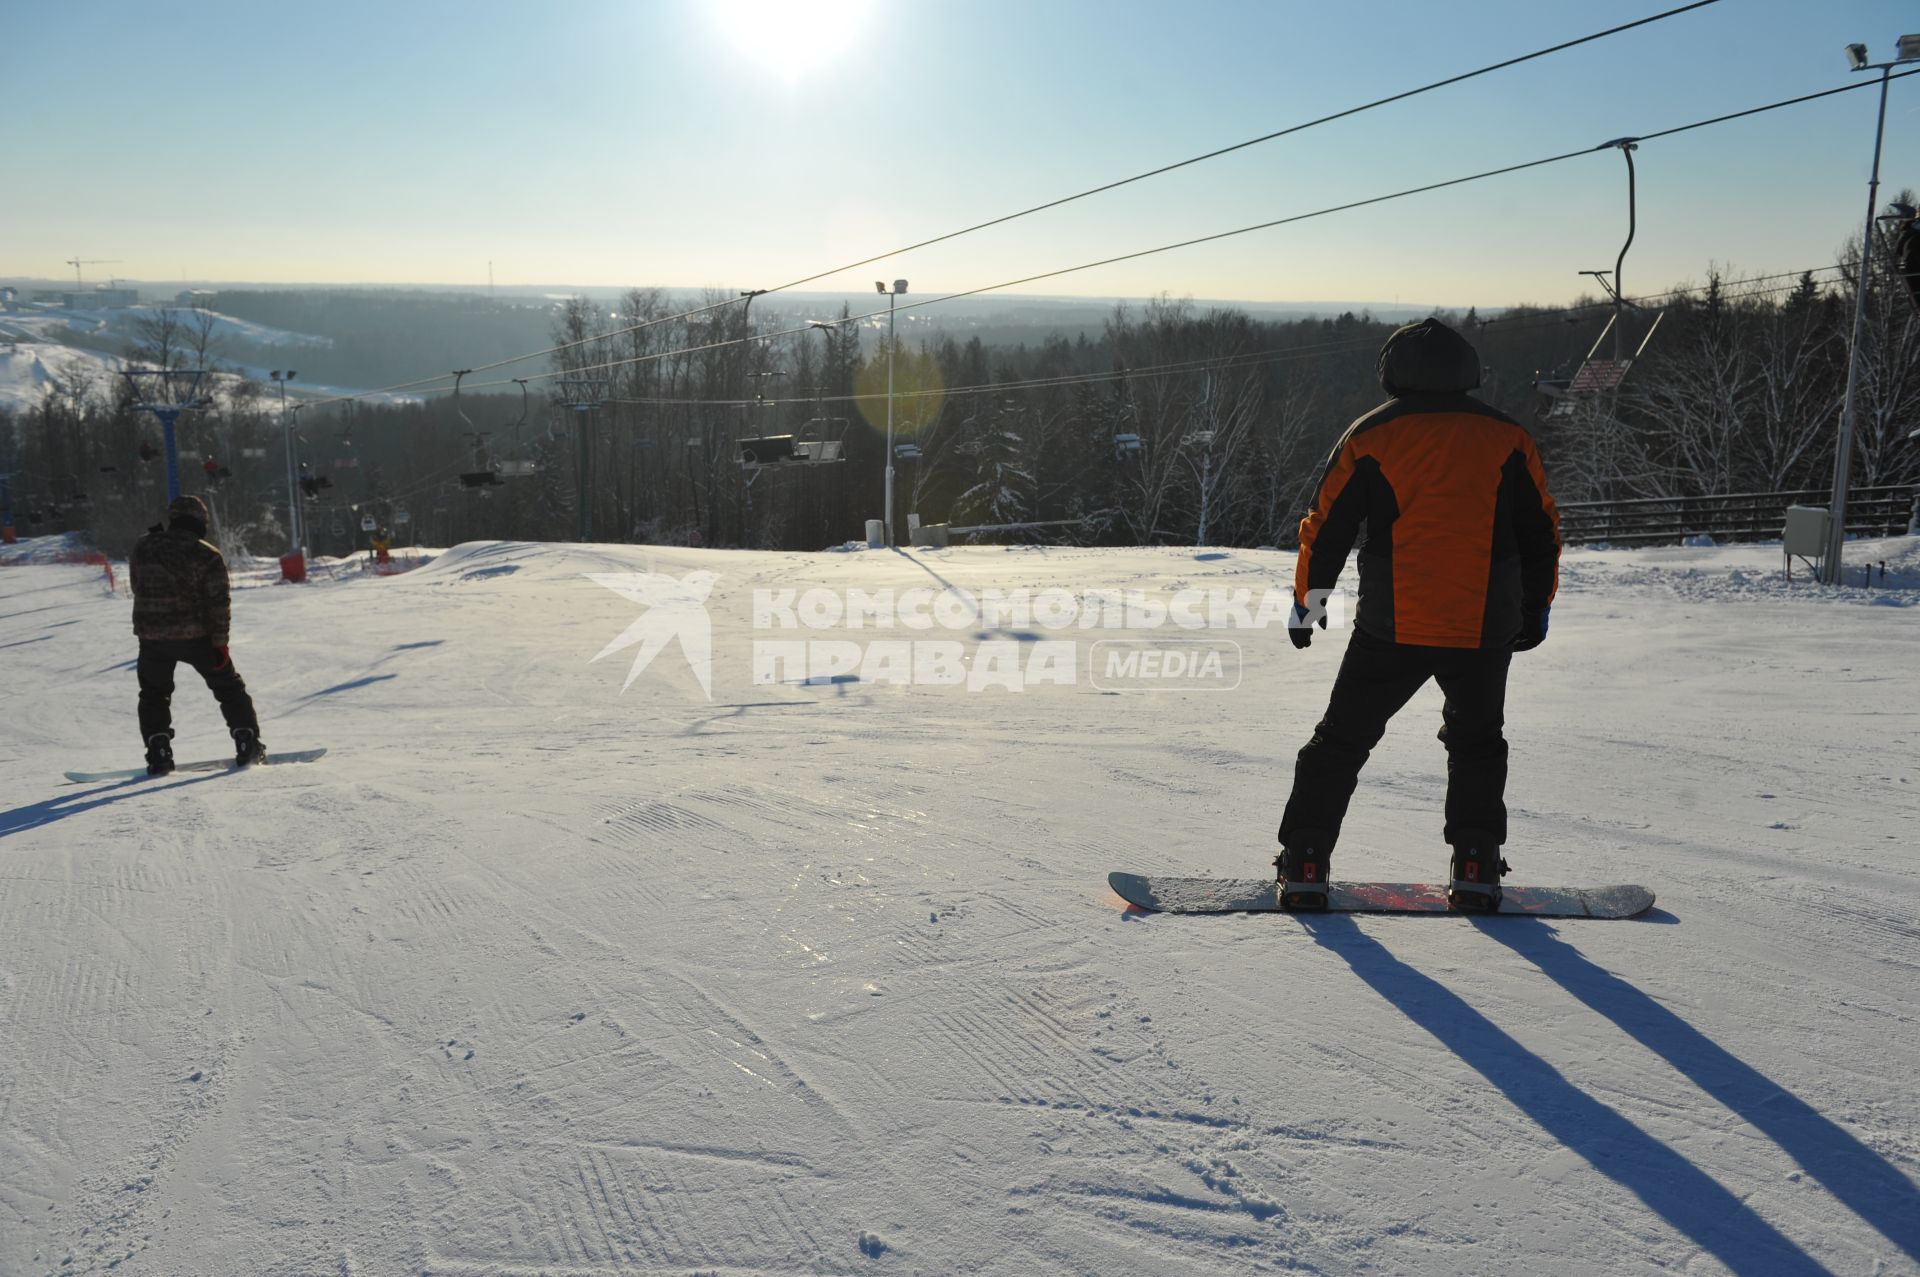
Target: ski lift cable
(1501,321)
(425,386)
(1091,191)
(433,479)
(606,336)
(1256,141)
(1416,190)
(1237,231)
(1226,363)
(1220,363)
(1202,239)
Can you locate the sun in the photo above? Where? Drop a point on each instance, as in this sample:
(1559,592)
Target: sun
(790,35)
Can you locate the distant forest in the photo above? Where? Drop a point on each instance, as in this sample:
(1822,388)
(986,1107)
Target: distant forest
(1172,424)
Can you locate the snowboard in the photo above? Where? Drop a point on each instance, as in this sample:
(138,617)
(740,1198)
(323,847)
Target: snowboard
(1258,895)
(274,757)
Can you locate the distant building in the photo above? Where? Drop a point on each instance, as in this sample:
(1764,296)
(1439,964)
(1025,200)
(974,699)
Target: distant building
(197,298)
(9,296)
(103,299)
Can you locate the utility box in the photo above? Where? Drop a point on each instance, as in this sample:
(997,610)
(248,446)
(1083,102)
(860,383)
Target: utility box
(1805,536)
(932,536)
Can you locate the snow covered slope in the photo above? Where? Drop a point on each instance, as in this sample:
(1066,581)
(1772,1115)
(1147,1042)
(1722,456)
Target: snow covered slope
(36,359)
(32,370)
(533,976)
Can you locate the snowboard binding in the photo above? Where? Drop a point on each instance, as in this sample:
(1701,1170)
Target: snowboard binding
(160,754)
(247,749)
(1301,875)
(1477,870)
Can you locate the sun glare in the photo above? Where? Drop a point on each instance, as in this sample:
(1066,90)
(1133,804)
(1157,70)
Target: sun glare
(791,35)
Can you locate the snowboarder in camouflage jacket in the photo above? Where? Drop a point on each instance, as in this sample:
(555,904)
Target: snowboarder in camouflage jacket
(182,614)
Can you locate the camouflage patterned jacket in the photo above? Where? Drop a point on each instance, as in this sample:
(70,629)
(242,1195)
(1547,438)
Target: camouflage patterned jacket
(179,588)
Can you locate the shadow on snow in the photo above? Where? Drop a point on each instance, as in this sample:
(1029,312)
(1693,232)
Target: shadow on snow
(36,815)
(1862,1180)
(1686,1197)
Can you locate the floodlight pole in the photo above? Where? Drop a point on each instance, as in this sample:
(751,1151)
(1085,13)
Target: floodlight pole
(584,395)
(583,480)
(887,509)
(1831,562)
(893,295)
(294,540)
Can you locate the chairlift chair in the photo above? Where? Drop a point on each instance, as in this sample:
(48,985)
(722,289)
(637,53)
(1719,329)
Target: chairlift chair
(1598,376)
(770,450)
(822,439)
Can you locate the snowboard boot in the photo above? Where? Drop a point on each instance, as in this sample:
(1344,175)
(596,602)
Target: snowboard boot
(1302,875)
(1477,870)
(247,749)
(160,754)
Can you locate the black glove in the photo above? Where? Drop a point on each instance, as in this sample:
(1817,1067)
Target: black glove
(1533,631)
(1299,630)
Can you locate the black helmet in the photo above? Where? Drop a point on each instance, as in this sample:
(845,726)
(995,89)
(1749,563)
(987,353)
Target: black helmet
(1428,358)
(188,508)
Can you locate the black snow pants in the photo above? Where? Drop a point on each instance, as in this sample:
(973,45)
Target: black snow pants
(1376,679)
(157,659)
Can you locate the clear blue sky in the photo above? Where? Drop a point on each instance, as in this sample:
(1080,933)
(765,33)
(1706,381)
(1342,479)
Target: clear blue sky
(684,144)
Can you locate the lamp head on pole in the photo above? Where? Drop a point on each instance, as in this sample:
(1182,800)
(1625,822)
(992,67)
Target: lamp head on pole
(900,286)
(1857,57)
(879,286)
(1908,49)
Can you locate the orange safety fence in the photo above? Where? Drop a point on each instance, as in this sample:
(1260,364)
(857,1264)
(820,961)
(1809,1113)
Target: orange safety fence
(93,557)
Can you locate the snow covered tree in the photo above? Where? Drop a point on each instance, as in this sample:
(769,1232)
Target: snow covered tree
(1001,487)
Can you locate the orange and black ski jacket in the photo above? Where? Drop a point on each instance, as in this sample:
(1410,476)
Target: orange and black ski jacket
(1458,536)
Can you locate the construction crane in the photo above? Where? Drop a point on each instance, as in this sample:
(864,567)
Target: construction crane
(77,263)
